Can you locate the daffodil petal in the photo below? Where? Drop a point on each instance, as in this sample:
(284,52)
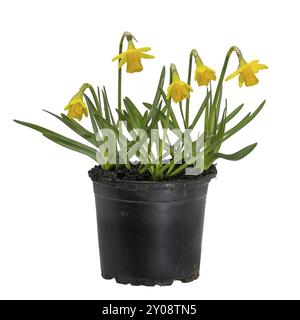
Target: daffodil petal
(122,62)
(253,62)
(85,111)
(241,79)
(189,87)
(145,49)
(119,56)
(234,74)
(146,56)
(262,66)
(211,70)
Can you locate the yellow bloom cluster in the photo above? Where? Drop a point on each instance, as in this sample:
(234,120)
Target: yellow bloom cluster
(178,90)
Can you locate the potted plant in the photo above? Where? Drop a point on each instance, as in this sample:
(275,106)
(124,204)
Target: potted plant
(154,164)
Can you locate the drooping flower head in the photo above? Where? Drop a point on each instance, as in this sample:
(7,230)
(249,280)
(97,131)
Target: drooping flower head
(247,71)
(178,90)
(203,74)
(77,107)
(132,57)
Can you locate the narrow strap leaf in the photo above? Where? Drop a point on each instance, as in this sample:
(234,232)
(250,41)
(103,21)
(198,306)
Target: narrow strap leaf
(200,111)
(159,86)
(234,156)
(232,114)
(76,127)
(108,114)
(64,141)
(75,146)
(92,111)
(99,99)
(249,117)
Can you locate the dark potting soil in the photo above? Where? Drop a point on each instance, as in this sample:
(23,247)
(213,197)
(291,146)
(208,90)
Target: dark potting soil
(98,174)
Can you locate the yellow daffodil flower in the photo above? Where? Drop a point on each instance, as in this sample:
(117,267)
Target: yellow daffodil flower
(132,57)
(77,107)
(246,72)
(178,90)
(203,74)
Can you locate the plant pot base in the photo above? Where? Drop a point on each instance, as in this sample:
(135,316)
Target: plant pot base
(150,233)
(149,282)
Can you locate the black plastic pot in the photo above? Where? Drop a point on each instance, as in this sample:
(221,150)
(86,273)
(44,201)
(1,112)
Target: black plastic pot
(151,232)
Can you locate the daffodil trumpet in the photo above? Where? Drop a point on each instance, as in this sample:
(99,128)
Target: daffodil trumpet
(247,71)
(77,107)
(178,90)
(203,74)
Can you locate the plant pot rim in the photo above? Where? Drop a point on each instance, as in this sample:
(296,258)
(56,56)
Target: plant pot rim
(198,179)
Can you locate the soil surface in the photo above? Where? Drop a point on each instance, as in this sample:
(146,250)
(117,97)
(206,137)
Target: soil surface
(98,174)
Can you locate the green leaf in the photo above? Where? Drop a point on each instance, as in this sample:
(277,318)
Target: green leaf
(78,147)
(234,156)
(217,110)
(148,105)
(220,132)
(179,169)
(200,111)
(105,124)
(135,116)
(154,117)
(249,117)
(64,141)
(107,110)
(144,168)
(76,127)
(99,99)
(206,119)
(214,111)
(174,122)
(182,114)
(145,119)
(159,86)
(123,116)
(92,111)
(164,167)
(232,114)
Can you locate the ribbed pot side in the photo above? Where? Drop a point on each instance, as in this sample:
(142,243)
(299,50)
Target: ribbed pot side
(151,232)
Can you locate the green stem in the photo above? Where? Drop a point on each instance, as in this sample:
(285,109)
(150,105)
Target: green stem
(187,107)
(166,127)
(97,102)
(120,77)
(163,142)
(210,114)
(222,75)
(182,114)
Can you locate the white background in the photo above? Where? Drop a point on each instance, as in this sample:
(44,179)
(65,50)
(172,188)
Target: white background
(48,236)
